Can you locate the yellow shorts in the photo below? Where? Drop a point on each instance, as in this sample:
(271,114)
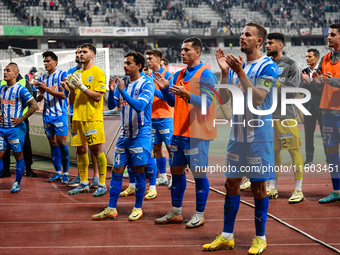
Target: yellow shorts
(87,132)
(286,137)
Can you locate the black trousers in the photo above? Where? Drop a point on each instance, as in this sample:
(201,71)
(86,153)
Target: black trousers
(310,124)
(27,152)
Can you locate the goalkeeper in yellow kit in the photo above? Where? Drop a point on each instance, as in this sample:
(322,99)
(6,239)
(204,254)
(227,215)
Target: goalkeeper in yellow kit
(87,87)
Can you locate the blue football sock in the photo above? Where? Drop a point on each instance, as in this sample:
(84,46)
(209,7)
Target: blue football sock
(161,163)
(56,158)
(179,184)
(261,209)
(115,188)
(231,206)
(131,174)
(152,171)
(65,160)
(140,189)
(333,161)
(19,169)
(202,192)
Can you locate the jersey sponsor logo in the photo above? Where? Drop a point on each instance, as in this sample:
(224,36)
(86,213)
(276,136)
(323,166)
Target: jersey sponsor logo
(283,136)
(280,69)
(232,156)
(164,131)
(13,140)
(136,150)
(254,161)
(55,87)
(91,132)
(191,151)
(59,124)
(120,150)
(90,79)
(122,102)
(173,148)
(328,129)
(6,101)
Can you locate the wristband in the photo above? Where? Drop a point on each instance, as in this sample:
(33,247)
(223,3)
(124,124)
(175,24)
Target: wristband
(82,87)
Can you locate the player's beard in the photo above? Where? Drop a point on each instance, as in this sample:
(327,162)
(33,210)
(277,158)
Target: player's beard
(247,51)
(272,53)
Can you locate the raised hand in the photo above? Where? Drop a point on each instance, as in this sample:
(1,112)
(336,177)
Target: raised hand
(161,81)
(317,77)
(78,82)
(222,60)
(327,77)
(112,84)
(305,77)
(234,62)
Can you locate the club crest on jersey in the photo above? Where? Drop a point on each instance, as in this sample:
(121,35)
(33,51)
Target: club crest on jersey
(55,80)
(280,70)
(90,79)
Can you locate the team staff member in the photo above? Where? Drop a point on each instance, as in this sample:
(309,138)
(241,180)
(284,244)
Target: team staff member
(192,130)
(88,126)
(328,77)
(133,95)
(248,145)
(285,138)
(309,121)
(55,115)
(14,97)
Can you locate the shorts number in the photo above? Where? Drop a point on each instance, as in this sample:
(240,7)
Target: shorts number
(1,145)
(117,159)
(89,139)
(325,138)
(283,143)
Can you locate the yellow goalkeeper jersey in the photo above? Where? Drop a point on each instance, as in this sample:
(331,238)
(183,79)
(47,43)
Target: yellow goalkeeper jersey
(85,108)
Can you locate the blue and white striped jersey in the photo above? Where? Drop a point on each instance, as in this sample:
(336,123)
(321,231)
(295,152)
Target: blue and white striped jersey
(249,127)
(13,102)
(136,124)
(54,106)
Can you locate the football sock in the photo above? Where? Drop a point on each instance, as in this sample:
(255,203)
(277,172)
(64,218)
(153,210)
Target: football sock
(152,171)
(179,184)
(202,192)
(231,206)
(102,167)
(83,165)
(56,158)
(65,157)
(115,188)
(19,169)
(261,209)
(140,189)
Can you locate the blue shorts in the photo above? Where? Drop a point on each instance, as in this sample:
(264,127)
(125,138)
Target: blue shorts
(189,151)
(331,129)
(162,131)
(254,160)
(132,151)
(12,138)
(57,125)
